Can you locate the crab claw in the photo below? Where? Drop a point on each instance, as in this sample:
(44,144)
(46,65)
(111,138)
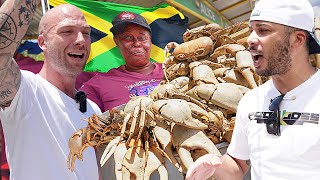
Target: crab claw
(76,145)
(178,111)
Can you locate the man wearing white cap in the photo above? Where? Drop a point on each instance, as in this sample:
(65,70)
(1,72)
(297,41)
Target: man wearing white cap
(277,125)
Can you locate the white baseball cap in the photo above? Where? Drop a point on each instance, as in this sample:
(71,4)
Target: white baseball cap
(294,13)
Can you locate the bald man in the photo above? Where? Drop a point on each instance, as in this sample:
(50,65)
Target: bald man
(39,112)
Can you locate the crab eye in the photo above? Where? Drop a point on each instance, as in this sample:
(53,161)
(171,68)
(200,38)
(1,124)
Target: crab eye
(181,56)
(199,52)
(187,34)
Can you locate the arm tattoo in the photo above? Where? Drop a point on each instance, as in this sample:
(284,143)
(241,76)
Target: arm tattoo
(26,12)
(8,30)
(10,78)
(15,18)
(14,24)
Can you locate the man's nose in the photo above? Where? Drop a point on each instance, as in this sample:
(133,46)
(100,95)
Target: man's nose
(80,40)
(252,39)
(136,41)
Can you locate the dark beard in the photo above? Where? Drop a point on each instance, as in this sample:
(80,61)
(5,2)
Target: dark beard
(279,60)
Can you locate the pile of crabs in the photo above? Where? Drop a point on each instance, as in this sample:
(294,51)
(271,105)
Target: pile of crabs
(191,111)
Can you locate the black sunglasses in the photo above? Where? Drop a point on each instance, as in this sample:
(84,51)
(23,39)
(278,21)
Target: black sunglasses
(273,121)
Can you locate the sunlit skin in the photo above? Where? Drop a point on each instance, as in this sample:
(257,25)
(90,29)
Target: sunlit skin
(279,54)
(64,37)
(270,47)
(135,46)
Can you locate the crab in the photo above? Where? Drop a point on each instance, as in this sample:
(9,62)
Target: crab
(224,96)
(205,30)
(97,132)
(101,129)
(177,64)
(243,61)
(186,140)
(135,114)
(202,74)
(238,31)
(191,50)
(185,116)
(181,112)
(229,75)
(220,129)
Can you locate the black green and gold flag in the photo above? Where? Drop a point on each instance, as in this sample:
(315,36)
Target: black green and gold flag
(166,22)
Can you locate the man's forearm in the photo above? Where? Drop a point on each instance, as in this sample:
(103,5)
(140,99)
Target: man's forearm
(231,169)
(15,18)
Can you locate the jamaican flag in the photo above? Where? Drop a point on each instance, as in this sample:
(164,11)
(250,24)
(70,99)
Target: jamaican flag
(166,22)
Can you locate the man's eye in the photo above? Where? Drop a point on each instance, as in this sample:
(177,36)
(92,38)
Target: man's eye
(142,38)
(263,30)
(86,33)
(128,38)
(66,32)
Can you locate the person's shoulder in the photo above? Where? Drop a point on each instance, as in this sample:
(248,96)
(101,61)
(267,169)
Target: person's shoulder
(94,106)
(158,65)
(30,76)
(109,73)
(99,78)
(258,91)
(158,71)
(27,73)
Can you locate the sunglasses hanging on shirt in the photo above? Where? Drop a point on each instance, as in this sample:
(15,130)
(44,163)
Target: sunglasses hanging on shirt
(81,97)
(273,121)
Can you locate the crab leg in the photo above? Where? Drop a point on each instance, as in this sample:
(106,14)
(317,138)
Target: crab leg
(118,156)
(125,121)
(245,63)
(109,150)
(186,139)
(164,137)
(134,122)
(155,162)
(77,145)
(142,117)
(134,160)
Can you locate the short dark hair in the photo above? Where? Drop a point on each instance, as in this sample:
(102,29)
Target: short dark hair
(290,30)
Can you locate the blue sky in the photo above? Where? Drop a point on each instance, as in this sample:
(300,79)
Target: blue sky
(316,7)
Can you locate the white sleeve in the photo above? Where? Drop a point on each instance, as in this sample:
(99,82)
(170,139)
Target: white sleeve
(238,147)
(24,98)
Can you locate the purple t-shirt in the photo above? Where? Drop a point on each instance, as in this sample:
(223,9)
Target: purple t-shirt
(114,88)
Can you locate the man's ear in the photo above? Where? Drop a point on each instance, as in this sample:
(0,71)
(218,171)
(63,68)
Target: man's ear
(300,38)
(42,42)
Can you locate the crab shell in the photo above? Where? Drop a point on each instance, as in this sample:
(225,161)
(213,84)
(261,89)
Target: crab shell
(194,49)
(180,112)
(225,95)
(205,30)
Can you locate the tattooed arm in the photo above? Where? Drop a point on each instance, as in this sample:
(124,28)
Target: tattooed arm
(15,18)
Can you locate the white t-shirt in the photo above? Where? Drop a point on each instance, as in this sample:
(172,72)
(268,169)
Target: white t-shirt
(293,155)
(37,127)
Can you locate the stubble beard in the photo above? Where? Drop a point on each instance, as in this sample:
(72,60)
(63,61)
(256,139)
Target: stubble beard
(279,60)
(65,68)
